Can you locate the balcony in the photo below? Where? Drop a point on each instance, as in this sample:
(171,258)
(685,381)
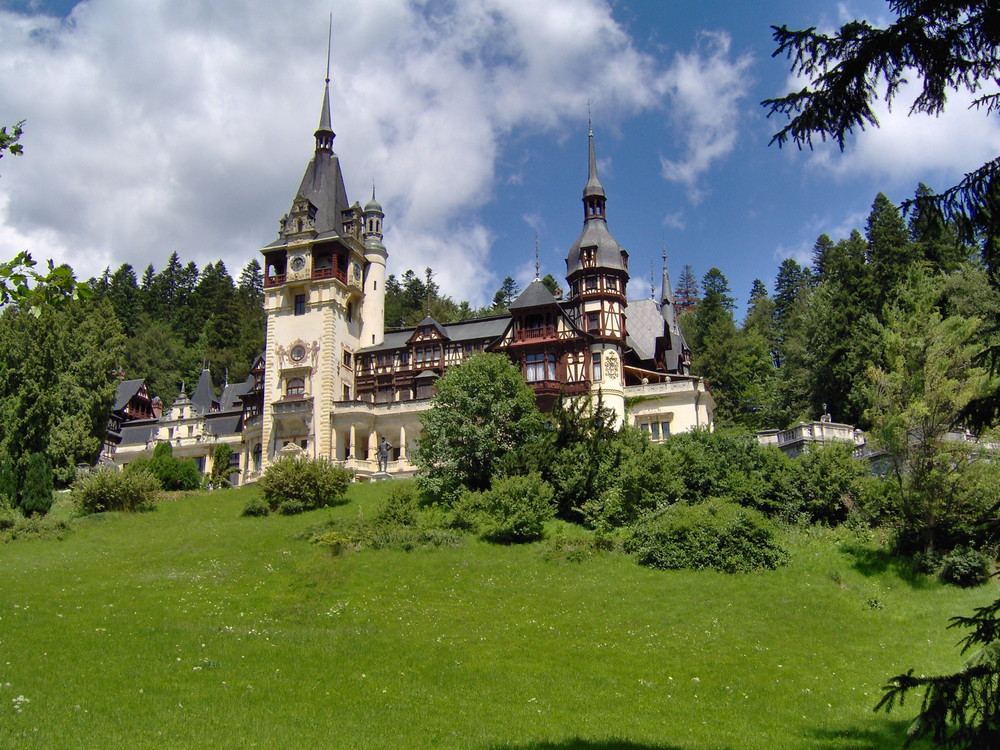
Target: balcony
(545,333)
(329,273)
(275,280)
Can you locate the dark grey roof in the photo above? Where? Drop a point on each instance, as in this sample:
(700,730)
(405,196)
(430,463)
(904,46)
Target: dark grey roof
(644,324)
(475,329)
(230,398)
(125,391)
(593,186)
(204,394)
(138,432)
(535,295)
(429,321)
(595,234)
(223,423)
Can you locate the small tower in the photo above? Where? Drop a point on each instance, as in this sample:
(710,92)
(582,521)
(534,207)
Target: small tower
(373,307)
(597,273)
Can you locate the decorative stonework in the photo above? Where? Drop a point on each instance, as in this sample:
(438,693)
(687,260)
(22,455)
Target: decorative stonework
(298,268)
(612,370)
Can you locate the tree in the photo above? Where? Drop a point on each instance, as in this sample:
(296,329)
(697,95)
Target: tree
(57,383)
(23,286)
(686,294)
(890,252)
(9,142)
(551,284)
(482,410)
(220,465)
(960,710)
(951,46)
(36,489)
(918,397)
(506,294)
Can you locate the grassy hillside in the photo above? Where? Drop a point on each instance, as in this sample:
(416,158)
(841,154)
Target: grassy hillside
(194,627)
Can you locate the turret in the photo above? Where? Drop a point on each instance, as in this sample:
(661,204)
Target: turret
(373,306)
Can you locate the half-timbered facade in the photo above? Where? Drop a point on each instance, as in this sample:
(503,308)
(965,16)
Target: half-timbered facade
(333,383)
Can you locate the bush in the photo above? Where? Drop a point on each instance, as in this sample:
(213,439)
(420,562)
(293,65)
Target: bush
(8,482)
(173,473)
(832,483)
(719,535)
(256,507)
(513,510)
(36,492)
(290,507)
(400,508)
(313,484)
(965,567)
(8,517)
(109,490)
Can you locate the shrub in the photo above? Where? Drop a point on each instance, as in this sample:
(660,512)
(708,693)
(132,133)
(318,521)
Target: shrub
(400,508)
(290,507)
(831,482)
(8,517)
(314,484)
(36,492)
(256,507)
(220,466)
(965,567)
(108,490)
(718,534)
(172,472)
(513,510)
(8,482)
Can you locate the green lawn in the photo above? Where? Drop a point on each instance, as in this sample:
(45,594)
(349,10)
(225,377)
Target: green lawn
(194,627)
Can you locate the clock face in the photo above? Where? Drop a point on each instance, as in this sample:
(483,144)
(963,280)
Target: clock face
(298,263)
(298,352)
(356,271)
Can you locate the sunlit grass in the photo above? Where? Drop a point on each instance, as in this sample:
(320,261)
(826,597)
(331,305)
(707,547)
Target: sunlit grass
(192,626)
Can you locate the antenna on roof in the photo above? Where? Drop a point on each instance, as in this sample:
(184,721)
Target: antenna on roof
(652,286)
(329,44)
(537,271)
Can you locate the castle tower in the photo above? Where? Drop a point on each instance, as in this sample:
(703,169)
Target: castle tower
(597,273)
(373,309)
(317,275)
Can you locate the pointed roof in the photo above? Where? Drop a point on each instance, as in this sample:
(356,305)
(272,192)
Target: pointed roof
(536,294)
(593,186)
(595,232)
(204,393)
(324,115)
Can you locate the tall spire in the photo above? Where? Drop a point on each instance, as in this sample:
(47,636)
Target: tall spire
(324,134)
(667,307)
(593,191)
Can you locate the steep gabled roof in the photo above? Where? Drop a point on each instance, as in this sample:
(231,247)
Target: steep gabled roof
(125,391)
(203,398)
(535,295)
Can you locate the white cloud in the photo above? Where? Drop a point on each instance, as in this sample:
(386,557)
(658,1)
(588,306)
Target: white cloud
(154,126)
(906,149)
(706,87)
(158,126)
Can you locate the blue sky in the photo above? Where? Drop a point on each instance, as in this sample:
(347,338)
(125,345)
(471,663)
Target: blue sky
(159,126)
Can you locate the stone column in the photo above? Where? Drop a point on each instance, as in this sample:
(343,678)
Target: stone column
(402,442)
(351,445)
(372,445)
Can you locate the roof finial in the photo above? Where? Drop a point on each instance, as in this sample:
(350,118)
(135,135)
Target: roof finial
(537,271)
(329,45)
(590,124)
(652,286)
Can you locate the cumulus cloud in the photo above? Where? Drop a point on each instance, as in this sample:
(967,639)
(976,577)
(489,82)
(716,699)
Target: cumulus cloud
(154,126)
(905,149)
(706,87)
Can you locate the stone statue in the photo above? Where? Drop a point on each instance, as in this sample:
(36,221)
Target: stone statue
(384,449)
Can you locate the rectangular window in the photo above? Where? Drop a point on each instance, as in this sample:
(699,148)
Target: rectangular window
(404,358)
(347,392)
(347,359)
(593,321)
(300,304)
(596,366)
(190,430)
(534,367)
(591,284)
(665,429)
(418,355)
(655,430)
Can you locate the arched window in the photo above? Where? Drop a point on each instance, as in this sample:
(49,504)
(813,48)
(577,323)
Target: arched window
(295,387)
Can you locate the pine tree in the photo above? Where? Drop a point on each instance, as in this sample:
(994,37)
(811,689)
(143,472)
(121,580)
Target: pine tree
(686,294)
(36,489)
(890,252)
(506,294)
(123,291)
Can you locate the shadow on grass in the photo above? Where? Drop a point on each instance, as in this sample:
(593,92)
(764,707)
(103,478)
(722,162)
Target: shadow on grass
(870,561)
(580,744)
(874,735)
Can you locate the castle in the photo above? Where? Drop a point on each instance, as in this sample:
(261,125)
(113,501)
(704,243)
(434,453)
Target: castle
(333,382)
